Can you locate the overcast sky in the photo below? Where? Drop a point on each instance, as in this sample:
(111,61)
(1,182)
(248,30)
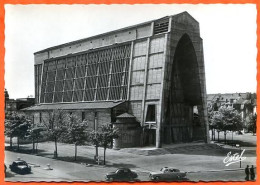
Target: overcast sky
(228,32)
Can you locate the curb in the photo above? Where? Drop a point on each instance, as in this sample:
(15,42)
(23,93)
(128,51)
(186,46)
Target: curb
(236,169)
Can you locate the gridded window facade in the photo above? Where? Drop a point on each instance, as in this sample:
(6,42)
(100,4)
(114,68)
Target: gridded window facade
(37,74)
(93,76)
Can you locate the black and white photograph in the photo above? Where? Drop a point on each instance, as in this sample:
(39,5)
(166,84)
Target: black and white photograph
(142,92)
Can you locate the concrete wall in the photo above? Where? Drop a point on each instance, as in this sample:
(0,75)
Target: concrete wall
(150,70)
(103,117)
(185,24)
(127,137)
(107,39)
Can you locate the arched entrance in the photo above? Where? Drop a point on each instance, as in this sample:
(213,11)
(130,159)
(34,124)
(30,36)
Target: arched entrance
(184,93)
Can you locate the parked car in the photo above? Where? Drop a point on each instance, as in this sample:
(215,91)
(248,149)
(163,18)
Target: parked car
(123,174)
(20,166)
(167,173)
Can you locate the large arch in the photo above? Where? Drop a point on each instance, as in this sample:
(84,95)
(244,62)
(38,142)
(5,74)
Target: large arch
(184,93)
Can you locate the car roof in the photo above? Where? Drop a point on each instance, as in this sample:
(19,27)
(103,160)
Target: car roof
(17,161)
(170,168)
(123,169)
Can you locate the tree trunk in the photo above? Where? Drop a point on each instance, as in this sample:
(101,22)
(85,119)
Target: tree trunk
(56,148)
(37,145)
(104,155)
(33,147)
(96,152)
(218,136)
(18,144)
(232,138)
(75,151)
(212,134)
(225,137)
(11,142)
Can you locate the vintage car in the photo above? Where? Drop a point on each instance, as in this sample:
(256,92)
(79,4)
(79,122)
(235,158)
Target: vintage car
(167,173)
(20,166)
(121,174)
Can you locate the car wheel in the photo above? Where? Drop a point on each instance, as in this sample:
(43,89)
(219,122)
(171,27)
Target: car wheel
(157,178)
(111,179)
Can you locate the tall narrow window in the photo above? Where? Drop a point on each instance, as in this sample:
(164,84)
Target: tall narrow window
(150,115)
(95,122)
(83,116)
(40,115)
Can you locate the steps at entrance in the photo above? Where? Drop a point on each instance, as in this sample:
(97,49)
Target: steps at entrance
(173,149)
(190,148)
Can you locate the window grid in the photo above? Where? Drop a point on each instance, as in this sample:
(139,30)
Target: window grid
(97,75)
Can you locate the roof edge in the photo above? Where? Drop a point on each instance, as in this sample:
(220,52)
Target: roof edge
(110,32)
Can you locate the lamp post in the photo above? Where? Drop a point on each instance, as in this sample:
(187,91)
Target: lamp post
(239,146)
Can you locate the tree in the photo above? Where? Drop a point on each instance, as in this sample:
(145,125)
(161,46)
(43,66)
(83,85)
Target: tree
(17,125)
(217,122)
(76,132)
(231,120)
(251,123)
(227,119)
(56,125)
(95,138)
(211,123)
(35,135)
(107,134)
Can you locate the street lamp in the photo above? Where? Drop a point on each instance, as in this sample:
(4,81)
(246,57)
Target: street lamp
(238,146)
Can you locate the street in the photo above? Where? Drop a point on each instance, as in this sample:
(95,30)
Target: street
(199,167)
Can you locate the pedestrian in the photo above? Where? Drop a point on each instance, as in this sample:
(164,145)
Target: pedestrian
(252,173)
(247,173)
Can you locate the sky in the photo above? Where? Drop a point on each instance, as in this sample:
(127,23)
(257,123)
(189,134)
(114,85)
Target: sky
(228,32)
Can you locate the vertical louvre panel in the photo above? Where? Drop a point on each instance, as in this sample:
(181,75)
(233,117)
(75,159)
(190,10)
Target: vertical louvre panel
(58,97)
(59,86)
(89,95)
(60,74)
(42,98)
(80,71)
(44,76)
(79,83)
(70,72)
(67,96)
(78,96)
(38,75)
(68,85)
(48,97)
(50,87)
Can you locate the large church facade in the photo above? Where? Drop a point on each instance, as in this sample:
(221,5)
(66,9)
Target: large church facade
(147,80)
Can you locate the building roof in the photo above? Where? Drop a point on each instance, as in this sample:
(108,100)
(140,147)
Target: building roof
(227,96)
(125,115)
(75,106)
(114,31)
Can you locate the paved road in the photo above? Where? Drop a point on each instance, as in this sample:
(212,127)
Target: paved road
(66,171)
